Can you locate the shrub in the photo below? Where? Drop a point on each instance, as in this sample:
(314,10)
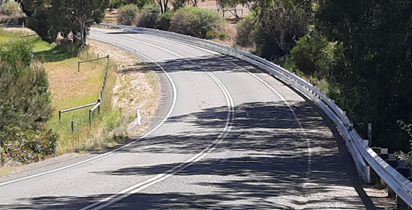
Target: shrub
(222,35)
(10,8)
(195,21)
(215,34)
(121,3)
(26,146)
(245,29)
(164,20)
(128,14)
(148,16)
(16,53)
(25,104)
(312,54)
(211,34)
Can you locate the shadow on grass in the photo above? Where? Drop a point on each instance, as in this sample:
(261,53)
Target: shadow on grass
(58,53)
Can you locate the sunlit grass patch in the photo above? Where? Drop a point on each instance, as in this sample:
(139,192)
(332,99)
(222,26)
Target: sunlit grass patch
(71,88)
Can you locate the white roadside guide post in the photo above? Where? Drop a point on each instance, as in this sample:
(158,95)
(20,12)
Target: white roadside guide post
(139,117)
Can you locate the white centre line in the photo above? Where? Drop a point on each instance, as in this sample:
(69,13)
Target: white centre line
(160,177)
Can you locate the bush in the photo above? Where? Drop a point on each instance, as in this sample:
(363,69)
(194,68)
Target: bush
(26,146)
(245,29)
(195,21)
(222,36)
(215,34)
(128,14)
(211,34)
(121,3)
(164,20)
(148,16)
(25,104)
(312,54)
(10,8)
(16,54)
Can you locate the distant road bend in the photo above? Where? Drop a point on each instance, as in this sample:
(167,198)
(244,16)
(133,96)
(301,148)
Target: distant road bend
(227,136)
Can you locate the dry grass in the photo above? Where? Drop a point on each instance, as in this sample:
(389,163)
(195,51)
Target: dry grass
(135,88)
(70,88)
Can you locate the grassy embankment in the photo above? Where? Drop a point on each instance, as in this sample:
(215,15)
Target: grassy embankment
(71,88)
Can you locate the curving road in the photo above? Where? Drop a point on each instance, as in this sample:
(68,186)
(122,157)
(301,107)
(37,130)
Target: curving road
(227,136)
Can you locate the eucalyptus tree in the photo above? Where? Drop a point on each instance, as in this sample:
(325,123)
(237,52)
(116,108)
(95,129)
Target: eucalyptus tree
(48,17)
(374,75)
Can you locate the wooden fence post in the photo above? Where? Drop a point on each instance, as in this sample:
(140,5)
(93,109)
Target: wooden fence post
(98,108)
(72,126)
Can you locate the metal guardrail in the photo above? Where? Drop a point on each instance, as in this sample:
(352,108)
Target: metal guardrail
(363,156)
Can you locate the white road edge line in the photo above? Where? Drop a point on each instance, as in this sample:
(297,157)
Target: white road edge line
(115,150)
(277,93)
(160,177)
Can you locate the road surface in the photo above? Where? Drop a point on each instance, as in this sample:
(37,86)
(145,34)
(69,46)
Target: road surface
(227,136)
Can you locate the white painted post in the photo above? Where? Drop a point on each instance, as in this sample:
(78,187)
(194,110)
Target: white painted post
(22,24)
(124,119)
(139,117)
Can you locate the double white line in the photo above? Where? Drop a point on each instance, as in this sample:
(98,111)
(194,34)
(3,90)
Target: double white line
(160,177)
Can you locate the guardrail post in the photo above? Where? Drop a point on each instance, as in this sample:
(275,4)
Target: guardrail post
(368,174)
(108,59)
(78,66)
(72,126)
(60,115)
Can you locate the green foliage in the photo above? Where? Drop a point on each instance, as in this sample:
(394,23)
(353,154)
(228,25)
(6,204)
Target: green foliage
(216,34)
(121,3)
(373,76)
(26,146)
(407,156)
(16,53)
(148,16)
(48,17)
(195,21)
(164,20)
(10,8)
(245,29)
(25,104)
(211,34)
(312,54)
(128,14)
(221,35)
(274,26)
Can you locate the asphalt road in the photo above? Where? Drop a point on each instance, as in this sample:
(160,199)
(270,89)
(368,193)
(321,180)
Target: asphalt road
(227,136)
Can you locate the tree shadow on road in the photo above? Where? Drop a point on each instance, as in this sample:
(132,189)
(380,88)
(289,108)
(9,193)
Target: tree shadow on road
(264,162)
